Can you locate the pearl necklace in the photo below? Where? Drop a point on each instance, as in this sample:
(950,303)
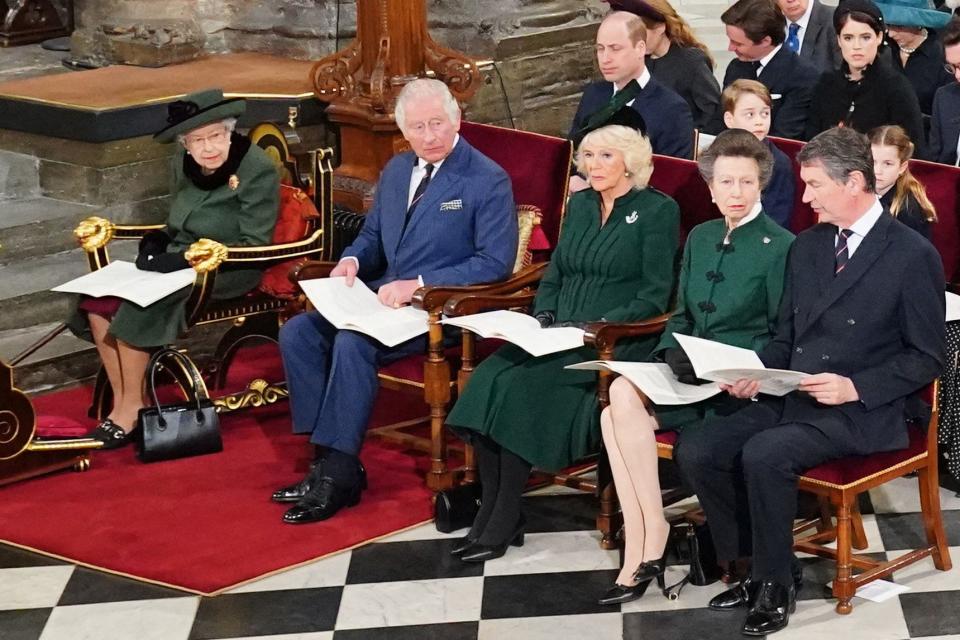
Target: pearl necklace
(923,38)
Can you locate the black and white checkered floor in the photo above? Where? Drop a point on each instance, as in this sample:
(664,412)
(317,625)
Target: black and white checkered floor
(408,586)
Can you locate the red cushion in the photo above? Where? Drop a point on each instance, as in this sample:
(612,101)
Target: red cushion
(680,179)
(61,427)
(293,223)
(855,468)
(538,166)
(667,437)
(411,367)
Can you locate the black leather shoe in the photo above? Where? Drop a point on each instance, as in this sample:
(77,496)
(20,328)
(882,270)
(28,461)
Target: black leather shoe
(111,435)
(462,544)
(772,610)
(296,492)
(737,596)
(618,593)
(483,552)
(647,571)
(323,501)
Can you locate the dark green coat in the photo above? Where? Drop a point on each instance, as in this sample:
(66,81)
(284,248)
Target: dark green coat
(727,293)
(244,216)
(623,271)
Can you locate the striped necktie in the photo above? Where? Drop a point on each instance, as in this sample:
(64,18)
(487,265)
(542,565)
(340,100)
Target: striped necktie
(418,196)
(842,252)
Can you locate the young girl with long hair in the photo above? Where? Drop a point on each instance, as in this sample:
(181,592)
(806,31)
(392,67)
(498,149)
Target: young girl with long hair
(900,192)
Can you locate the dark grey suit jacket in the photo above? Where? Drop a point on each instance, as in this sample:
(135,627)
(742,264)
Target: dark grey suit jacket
(819,45)
(945,124)
(879,322)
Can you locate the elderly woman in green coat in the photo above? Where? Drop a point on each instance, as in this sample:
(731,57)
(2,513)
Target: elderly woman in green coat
(731,281)
(227,190)
(614,261)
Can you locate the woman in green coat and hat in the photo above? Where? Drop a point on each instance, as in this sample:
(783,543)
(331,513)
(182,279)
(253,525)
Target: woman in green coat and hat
(226,189)
(614,261)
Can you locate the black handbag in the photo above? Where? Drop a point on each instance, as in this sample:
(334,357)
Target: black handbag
(694,547)
(177,430)
(456,508)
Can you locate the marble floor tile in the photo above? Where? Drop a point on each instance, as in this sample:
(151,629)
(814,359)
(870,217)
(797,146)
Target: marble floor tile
(546,594)
(321,635)
(23,624)
(448,631)
(11,557)
(869,621)
(597,626)
(902,496)
(682,625)
(32,587)
(266,612)
(408,561)
(329,572)
(931,614)
(905,530)
(87,586)
(168,619)
(426,531)
(387,604)
(575,512)
(923,576)
(548,552)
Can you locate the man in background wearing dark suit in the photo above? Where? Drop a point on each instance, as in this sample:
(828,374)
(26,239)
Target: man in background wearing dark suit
(621,51)
(809,32)
(756,34)
(945,122)
(863,316)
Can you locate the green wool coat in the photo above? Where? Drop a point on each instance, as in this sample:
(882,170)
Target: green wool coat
(622,271)
(727,293)
(244,216)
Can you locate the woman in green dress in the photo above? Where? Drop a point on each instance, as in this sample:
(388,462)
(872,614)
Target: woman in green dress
(227,189)
(731,281)
(614,261)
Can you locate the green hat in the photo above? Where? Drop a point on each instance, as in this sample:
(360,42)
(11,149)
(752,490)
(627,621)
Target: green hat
(912,13)
(196,110)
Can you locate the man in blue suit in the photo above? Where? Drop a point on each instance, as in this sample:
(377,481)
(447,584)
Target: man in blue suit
(443,214)
(862,314)
(945,123)
(621,50)
(755,31)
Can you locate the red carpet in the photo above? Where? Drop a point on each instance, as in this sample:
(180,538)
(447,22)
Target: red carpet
(205,524)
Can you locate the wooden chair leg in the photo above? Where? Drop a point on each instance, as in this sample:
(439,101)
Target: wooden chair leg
(469,463)
(826,518)
(609,518)
(932,516)
(856,524)
(843,587)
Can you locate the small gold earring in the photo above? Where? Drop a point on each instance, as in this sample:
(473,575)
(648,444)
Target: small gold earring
(627,174)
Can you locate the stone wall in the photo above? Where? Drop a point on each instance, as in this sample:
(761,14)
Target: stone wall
(542,48)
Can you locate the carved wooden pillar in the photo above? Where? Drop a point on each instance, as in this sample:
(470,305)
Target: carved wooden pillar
(28,21)
(361,83)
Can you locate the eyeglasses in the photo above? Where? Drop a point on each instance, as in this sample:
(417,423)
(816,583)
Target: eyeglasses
(215,139)
(951,68)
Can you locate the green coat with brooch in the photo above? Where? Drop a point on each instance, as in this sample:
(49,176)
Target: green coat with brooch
(621,271)
(729,292)
(240,212)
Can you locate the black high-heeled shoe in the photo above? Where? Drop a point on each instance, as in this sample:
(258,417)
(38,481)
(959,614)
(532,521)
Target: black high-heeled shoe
(618,593)
(483,552)
(462,544)
(651,569)
(112,435)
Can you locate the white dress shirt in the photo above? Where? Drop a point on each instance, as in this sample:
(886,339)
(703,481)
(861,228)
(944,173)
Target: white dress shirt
(765,60)
(862,227)
(803,21)
(642,80)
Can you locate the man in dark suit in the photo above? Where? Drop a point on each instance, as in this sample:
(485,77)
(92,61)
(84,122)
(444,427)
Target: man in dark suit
(945,122)
(443,214)
(809,32)
(863,315)
(755,31)
(621,51)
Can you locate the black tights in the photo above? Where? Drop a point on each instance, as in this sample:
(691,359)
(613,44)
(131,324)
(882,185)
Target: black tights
(503,477)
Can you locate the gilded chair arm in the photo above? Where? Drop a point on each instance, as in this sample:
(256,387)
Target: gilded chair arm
(95,232)
(309,246)
(603,336)
(436,298)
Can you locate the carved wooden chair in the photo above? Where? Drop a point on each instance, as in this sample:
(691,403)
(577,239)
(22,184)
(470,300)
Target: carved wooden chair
(538,166)
(841,481)
(298,235)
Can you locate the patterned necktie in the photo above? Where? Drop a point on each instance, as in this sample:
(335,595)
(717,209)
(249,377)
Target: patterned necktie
(842,252)
(418,196)
(793,42)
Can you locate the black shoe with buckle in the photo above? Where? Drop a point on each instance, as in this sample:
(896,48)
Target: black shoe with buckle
(618,593)
(296,492)
(323,501)
(772,610)
(111,435)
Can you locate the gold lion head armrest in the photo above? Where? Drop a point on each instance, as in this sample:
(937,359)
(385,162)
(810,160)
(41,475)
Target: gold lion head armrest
(205,255)
(94,233)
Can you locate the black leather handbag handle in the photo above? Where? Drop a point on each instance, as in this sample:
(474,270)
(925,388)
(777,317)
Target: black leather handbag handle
(198,389)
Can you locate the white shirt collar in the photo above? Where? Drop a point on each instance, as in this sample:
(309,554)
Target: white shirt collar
(422,164)
(865,222)
(642,80)
(757,208)
(805,18)
(767,58)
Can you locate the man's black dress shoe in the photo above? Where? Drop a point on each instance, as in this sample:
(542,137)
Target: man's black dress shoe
(618,593)
(744,592)
(483,552)
(322,501)
(111,435)
(462,544)
(772,610)
(296,492)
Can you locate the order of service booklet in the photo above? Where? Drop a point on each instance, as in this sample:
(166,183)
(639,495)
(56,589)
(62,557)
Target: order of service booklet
(123,280)
(520,329)
(357,308)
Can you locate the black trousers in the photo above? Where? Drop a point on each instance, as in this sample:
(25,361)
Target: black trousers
(744,469)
